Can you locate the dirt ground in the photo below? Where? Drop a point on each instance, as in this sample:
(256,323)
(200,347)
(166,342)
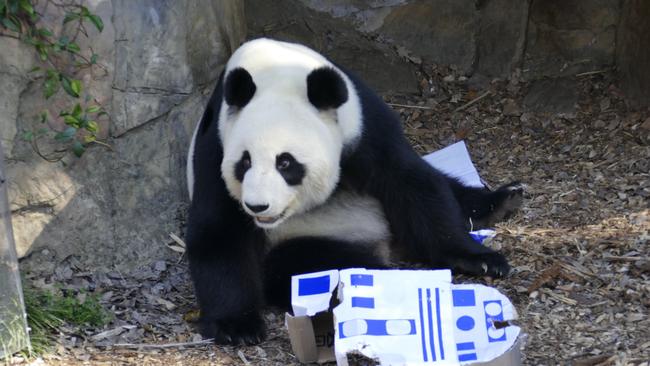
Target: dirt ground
(579,248)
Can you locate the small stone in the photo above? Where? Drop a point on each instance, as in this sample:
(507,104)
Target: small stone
(510,108)
(160,266)
(448,78)
(646,124)
(599,123)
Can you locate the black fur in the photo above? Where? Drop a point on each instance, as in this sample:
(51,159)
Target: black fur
(242,166)
(240,88)
(293,172)
(326,89)
(427,213)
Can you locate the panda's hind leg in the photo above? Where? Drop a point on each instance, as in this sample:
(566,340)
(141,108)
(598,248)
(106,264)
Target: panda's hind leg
(484,207)
(312,254)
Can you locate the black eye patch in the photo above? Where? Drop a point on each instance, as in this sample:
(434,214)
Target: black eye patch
(291,170)
(242,166)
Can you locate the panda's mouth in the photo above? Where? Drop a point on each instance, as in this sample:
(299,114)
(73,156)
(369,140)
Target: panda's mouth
(268,222)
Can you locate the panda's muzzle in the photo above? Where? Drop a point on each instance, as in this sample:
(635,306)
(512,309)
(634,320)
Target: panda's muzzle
(267,221)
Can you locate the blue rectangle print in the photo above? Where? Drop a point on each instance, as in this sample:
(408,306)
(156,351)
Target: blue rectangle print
(467,357)
(465,346)
(463,297)
(361,280)
(314,286)
(363,302)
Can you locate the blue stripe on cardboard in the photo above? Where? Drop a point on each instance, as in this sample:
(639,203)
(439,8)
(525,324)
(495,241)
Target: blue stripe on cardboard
(314,285)
(442,350)
(431,343)
(467,357)
(363,302)
(424,344)
(463,297)
(361,280)
(464,346)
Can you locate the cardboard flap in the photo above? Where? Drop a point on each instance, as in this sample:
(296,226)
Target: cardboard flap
(311,293)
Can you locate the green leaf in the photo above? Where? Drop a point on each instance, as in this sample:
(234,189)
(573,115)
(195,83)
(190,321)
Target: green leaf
(42,51)
(78,149)
(34,69)
(28,136)
(71,121)
(76,111)
(90,138)
(70,17)
(73,47)
(76,86)
(63,40)
(45,32)
(27,7)
(93,59)
(43,116)
(51,85)
(92,126)
(66,135)
(71,86)
(97,21)
(93,109)
(11,24)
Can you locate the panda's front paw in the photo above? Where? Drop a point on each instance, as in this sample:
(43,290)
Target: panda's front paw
(490,264)
(246,329)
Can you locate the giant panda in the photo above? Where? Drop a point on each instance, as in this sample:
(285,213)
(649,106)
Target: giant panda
(297,166)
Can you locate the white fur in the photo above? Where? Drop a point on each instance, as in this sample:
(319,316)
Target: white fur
(190,161)
(346,216)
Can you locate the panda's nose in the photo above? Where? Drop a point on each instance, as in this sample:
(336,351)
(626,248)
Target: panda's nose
(256,208)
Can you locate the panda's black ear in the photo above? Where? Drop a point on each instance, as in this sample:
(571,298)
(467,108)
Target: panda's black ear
(239,88)
(326,88)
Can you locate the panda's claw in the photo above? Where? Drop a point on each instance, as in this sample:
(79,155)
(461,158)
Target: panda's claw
(247,329)
(491,264)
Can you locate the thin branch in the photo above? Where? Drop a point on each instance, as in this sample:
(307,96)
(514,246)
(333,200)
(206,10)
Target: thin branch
(410,106)
(202,342)
(472,102)
(588,73)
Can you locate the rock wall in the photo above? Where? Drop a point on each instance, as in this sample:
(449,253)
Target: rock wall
(486,37)
(160,62)
(633,51)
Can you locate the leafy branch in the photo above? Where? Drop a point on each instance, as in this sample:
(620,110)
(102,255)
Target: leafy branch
(61,61)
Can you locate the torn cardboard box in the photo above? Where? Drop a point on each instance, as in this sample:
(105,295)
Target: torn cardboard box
(400,317)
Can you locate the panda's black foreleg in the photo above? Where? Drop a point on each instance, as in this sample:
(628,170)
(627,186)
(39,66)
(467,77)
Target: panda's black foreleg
(309,254)
(227,283)
(225,258)
(484,207)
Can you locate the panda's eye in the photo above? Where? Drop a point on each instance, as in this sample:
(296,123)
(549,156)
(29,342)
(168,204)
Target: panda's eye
(246,163)
(242,166)
(283,161)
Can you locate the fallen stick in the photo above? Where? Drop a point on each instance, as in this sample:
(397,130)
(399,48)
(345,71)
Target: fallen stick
(473,101)
(409,106)
(164,345)
(591,73)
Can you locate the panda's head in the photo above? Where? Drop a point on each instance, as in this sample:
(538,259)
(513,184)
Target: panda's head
(282,135)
